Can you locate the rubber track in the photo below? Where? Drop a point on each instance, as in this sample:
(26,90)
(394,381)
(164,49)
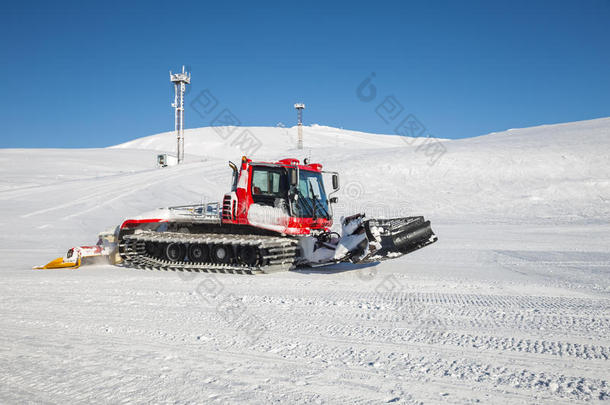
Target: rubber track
(278,253)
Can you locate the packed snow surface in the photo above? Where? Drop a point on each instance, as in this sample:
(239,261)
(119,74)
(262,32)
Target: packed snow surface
(511,305)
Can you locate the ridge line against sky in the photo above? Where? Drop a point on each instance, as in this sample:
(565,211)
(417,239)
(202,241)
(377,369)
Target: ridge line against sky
(96,74)
(171,132)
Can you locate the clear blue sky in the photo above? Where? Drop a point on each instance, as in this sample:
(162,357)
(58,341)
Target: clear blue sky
(79,74)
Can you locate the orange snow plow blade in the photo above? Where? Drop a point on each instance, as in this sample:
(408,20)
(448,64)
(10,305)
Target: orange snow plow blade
(82,255)
(59,264)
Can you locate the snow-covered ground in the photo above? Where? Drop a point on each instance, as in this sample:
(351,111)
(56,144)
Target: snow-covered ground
(511,305)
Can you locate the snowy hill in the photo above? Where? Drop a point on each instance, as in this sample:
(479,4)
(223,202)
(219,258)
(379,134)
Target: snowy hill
(548,174)
(224,142)
(557,172)
(511,305)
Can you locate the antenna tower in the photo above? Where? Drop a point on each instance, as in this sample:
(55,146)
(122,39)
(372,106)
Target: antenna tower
(300,107)
(180,81)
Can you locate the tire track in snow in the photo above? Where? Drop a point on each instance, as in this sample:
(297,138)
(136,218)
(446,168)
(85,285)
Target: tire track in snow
(104,194)
(419,355)
(361,360)
(398,300)
(26,191)
(443,316)
(78,379)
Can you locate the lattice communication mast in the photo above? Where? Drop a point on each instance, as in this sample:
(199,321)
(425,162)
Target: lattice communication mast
(180,81)
(300,107)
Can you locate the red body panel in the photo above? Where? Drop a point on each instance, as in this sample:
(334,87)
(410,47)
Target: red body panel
(236,205)
(134,223)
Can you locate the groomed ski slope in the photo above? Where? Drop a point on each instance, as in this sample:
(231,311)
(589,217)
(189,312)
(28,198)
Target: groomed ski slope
(512,305)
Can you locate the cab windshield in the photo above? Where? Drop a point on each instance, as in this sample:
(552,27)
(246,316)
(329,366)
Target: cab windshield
(312,201)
